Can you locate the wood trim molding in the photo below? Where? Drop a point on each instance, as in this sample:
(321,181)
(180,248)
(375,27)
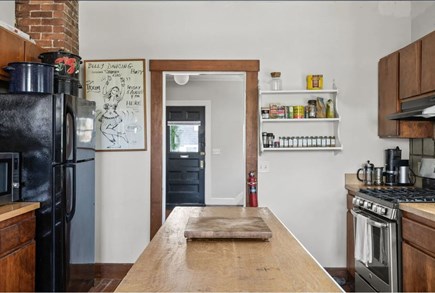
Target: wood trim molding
(157,67)
(205,65)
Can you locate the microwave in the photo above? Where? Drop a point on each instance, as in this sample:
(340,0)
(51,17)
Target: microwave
(9,177)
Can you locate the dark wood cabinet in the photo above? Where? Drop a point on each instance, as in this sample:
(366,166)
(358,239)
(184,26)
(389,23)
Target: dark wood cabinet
(388,88)
(13,48)
(418,253)
(389,103)
(17,253)
(350,243)
(410,70)
(428,63)
(32,51)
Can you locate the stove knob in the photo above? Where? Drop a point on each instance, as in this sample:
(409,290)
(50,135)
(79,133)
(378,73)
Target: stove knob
(382,211)
(354,200)
(361,202)
(375,208)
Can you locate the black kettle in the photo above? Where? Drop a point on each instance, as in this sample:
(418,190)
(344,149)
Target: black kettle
(367,170)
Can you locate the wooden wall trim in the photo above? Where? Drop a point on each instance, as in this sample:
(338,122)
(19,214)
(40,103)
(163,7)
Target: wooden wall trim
(205,65)
(251,126)
(250,67)
(156,151)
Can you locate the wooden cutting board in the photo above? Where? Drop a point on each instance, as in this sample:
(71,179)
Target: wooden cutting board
(229,228)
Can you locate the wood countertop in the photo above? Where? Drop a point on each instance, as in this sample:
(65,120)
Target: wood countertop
(425,210)
(11,210)
(170,263)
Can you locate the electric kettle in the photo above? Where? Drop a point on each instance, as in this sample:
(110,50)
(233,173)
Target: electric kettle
(367,170)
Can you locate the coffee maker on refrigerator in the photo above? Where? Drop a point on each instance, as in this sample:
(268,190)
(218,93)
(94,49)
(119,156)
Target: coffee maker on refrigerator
(392,164)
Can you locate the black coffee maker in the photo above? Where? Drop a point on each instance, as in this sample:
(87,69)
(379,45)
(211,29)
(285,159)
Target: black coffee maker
(392,164)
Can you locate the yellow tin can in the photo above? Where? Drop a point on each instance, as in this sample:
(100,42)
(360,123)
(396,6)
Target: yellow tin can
(315,82)
(298,112)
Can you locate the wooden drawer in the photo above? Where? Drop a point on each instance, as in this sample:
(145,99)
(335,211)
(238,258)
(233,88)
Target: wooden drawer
(420,235)
(16,231)
(17,270)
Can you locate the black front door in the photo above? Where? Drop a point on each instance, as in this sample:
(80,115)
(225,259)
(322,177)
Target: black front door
(185,156)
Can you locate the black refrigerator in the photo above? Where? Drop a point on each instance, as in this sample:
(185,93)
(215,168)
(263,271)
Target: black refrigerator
(55,136)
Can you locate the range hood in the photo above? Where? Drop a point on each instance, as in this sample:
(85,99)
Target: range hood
(419,109)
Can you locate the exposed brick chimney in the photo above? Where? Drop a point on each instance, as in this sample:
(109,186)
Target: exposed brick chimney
(52,24)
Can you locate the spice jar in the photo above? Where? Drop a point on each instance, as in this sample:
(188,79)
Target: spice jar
(265,140)
(312,108)
(265,112)
(276,84)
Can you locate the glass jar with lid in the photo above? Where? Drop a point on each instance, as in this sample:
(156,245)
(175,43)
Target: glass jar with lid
(276,84)
(312,109)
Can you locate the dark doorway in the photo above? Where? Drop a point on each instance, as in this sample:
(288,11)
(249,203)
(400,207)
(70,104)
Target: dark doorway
(185,156)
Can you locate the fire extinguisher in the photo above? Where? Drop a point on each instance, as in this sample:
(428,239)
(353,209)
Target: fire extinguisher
(252,183)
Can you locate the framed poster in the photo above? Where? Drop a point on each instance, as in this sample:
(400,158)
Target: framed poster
(118,89)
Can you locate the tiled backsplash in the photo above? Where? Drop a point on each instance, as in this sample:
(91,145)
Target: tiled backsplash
(420,148)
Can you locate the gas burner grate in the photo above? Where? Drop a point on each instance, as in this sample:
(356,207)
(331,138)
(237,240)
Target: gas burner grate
(402,194)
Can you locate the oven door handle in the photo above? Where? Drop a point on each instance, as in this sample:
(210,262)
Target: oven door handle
(370,221)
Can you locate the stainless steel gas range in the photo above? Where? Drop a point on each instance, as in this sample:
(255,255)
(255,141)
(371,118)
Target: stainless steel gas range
(377,221)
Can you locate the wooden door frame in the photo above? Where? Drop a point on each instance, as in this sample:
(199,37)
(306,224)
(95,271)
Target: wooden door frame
(157,69)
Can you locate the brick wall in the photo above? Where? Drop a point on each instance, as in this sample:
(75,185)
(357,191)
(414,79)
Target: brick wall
(53,24)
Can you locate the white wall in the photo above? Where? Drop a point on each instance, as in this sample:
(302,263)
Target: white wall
(7,12)
(423,18)
(340,39)
(227,100)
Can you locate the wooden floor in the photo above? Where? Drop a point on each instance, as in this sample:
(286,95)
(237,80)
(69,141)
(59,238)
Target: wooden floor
(108,276)
(105,285)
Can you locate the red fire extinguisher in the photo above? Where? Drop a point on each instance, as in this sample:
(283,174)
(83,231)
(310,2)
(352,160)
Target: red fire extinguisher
(252,183)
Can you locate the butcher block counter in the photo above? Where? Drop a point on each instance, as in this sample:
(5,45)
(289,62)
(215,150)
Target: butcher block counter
(11,210)
(170,263)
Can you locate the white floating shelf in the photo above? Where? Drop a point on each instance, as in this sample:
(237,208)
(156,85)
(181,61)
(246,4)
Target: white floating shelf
(331,91)
(301,120)
(304,149)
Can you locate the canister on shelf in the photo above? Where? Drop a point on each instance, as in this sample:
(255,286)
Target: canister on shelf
(312,108)
(305,141)
(291,142)
(330,113)
(290,112)
(276,84)
(298,112)
(265,140)
(315,82)
(270,138)
(319,141)
(265,112)
(333,143)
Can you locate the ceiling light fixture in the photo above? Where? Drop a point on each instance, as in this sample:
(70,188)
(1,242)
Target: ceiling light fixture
(181,79)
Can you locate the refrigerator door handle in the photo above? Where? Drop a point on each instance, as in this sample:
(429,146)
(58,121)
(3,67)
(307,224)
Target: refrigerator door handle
(71,112)
(70,213)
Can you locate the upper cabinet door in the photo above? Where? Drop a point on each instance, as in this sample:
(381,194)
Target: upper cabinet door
(410,70)
(428,63)
(388,86)
(32,51)
(11,50)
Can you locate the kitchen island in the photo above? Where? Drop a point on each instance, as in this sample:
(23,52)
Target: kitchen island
(170,263)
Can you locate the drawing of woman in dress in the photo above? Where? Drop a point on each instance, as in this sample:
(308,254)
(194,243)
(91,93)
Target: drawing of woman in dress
(111,122)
